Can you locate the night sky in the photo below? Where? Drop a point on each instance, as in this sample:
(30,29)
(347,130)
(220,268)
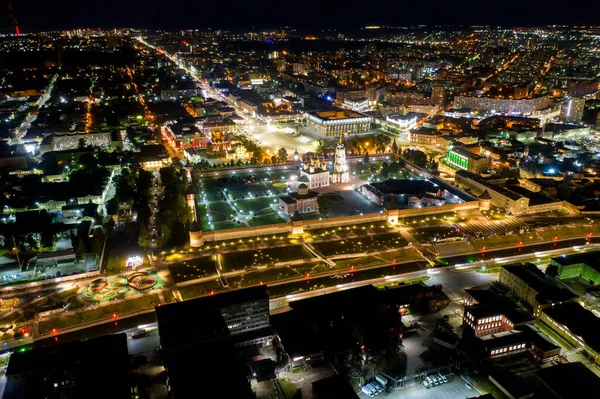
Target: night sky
(41,15)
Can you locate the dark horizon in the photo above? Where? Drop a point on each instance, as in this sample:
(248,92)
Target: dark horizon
(37,15)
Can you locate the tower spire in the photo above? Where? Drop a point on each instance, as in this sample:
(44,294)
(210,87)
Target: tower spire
(341,138)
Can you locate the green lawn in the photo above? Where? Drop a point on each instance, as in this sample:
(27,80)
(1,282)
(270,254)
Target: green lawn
(254,205)
(193,268)
(257,277)
(289,390)
(367,244)
(196,290)
(99,313)
(220,207)
(262,220)
(246,259)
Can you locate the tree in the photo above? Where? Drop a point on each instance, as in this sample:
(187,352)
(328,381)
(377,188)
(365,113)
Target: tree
(282,155)
(257,156)
(324,204)
(366,158)
(274,159)
(394,147)
(385,172)
(82,144)
(319,146)
(143,238)
(112,206)
(48,239)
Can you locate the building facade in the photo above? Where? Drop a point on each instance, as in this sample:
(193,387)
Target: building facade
(334,123)
(340,165)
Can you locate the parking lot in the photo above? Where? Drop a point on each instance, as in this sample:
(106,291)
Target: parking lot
(454,389)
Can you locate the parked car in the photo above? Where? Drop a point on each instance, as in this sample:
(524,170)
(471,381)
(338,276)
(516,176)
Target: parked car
(468,385)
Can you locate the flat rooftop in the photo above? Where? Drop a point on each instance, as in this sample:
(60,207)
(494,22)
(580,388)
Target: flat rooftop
(580,322)
(569,380)
(547,289)
(337,115)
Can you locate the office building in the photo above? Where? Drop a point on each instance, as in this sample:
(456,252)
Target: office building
(533,287)
(584,265)
(488,312)
(523,340)
(566,381)
(299,68)
(71,370)
(502,105)
(200,359)
(460,158)
(576,325)
(402,122)
(281,65)
(438,95)
(334,123)
(245,311)
(359,104)
(572,109)
(513,199)
(424,136)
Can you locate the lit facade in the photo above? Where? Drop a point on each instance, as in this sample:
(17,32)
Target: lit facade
(334,123)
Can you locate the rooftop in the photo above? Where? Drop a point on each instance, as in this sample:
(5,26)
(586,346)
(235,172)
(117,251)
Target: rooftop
(580,322)
(582,382)
(337,115)
(547,289)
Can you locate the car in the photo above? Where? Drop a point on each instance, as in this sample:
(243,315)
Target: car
(435,380)
(425,384)
(430,381)
(468,385)
(373,388)
(367,391)
(443,377)
(377,385)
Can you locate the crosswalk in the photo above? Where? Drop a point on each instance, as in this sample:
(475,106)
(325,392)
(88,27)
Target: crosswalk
(492,226)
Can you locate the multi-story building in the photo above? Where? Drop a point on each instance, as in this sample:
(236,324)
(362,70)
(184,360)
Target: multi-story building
(428,137)
(572,109)
(281,65)
(360,104)
(245,311)
(299,68)
(316,175)
(584,265)
(515,342)
(302,201)
(465,160)
(438,95)
(502,105)
(402,122)
(533,287)
(513,199)
(334,123)
(487,312)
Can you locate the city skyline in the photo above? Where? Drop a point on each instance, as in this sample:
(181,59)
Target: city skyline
(35,15)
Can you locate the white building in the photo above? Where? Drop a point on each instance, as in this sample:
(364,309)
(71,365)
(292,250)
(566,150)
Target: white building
(340,166)
(316,175)
(361,104)
(402,122)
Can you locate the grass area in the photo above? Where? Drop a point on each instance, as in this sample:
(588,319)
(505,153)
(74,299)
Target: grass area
(91,315)
(272,218)
(228,225)
(568,232)
(400,255)
(257,277)
(288,389)
(246,259)
(367,244)
(504,241)
(196,290)
(349,231)
(432,234)
(193,268)
(357,263)
(253,205)
(427,220)
(405,282)
(222,208)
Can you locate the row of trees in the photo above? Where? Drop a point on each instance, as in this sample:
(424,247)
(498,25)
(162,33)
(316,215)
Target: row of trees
(173,212)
